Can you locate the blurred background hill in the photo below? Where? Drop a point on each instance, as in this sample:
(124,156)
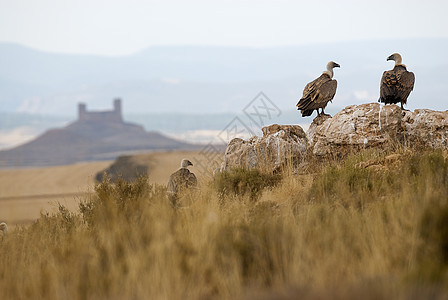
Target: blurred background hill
(193,92)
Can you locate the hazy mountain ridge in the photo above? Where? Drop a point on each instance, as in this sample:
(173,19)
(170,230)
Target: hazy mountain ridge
(190,79)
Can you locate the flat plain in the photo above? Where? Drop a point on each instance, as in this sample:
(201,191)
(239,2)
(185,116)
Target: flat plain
(26,192)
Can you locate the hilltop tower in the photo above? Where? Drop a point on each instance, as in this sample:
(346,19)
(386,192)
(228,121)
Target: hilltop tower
(101,116)
(117,107)
(81,111)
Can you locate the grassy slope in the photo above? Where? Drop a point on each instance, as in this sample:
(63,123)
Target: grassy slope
(348,230)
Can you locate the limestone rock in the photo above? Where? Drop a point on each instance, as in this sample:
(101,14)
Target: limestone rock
(313,126)
(357,127)
(374,125)
(279,145)
(427,128)
(354,128)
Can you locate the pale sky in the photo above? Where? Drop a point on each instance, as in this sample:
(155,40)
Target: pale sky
(117,27)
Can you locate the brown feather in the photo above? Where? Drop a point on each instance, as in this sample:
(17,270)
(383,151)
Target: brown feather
(396,85)
(317,94)
(181,179)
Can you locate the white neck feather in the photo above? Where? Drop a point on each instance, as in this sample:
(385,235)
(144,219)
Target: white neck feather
(397,60)
(329,72)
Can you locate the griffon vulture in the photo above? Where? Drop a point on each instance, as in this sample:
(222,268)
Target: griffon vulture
(3,229)
(180,180)
(319,92)
(396,84)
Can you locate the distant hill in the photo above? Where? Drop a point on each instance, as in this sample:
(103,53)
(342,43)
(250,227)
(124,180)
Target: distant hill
(94,136)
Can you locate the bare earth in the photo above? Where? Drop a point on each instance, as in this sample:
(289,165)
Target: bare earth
(25,193)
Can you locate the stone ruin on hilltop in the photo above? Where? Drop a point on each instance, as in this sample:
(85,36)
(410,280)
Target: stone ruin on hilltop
(101,116)
(95,135)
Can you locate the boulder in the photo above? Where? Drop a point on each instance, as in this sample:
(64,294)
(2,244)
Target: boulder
(426,128)
(279,145)
(380,126)
(358,127)
(317,121)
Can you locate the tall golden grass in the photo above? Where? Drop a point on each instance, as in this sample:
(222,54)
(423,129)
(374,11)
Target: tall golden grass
(369,227)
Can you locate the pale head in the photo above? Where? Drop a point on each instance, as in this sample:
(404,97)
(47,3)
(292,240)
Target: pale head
(395,57)
(330,66)
(3,227)
(185,163)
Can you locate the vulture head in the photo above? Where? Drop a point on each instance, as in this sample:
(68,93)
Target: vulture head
(395,57)
(185,163)
(3,228)
(330,66)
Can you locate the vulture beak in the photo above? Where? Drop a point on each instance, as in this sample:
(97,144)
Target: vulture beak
(190,163)
(390,57)
(336,65)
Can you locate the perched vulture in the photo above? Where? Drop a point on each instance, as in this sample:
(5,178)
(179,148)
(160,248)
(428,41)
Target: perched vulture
(396,84)
(319,92)
(3,229)
(180,180)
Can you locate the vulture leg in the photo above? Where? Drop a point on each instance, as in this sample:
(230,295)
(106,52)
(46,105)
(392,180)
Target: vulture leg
(402,108)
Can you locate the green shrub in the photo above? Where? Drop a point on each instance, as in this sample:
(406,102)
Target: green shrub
(240,182)
(128,198)
(124,167)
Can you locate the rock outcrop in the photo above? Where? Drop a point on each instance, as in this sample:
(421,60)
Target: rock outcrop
(376,126)
(354,128)
(279,145)
(426,128)
(358,127)
(317,121)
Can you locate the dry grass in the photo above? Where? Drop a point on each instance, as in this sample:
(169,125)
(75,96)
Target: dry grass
(347,231)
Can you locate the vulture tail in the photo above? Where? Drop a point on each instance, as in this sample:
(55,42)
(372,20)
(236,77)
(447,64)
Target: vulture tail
(307,113)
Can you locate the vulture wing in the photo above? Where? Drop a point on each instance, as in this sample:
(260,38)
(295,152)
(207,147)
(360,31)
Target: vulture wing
(396,85)
(388,86)
(311,88)
(405,85)
(316,94)
(326,92)
(180,180)
(192,181)
(172,184)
